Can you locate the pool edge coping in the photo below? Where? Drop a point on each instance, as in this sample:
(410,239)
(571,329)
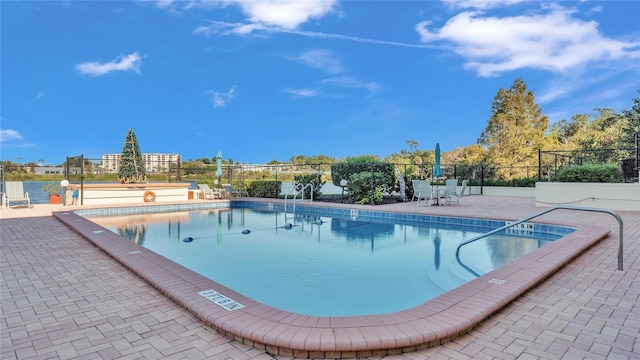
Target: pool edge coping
(279,332)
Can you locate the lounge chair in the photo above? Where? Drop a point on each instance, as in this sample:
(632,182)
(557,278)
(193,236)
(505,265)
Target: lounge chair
(233,192)
(209,194)
(423,191)
(455,195)
(14,192)
(450,190)
(416,186)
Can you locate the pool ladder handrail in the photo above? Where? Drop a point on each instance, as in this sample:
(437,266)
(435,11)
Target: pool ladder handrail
(299,189)
(563,207)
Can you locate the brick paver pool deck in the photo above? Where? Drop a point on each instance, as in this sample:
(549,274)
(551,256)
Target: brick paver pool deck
(62,297)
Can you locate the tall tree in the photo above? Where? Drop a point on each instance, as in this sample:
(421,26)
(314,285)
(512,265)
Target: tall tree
(515,131)
(131,168)
(632,127)
(601,138)
(565,132)
(473,154)
(597,137)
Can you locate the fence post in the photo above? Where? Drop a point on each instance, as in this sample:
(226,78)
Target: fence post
(539,164)
(638,155)
(481,179)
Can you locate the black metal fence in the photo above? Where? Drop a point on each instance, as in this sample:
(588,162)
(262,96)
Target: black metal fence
(551,162)
(79,169)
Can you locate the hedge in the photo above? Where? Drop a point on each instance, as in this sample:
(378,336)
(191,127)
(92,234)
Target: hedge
(597,173)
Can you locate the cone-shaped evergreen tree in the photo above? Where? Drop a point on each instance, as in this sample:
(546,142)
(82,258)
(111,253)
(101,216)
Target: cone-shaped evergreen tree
(515,132)
(132,167)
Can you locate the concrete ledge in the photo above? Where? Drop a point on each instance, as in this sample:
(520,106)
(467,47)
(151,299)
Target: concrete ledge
(104,194)
(614,196)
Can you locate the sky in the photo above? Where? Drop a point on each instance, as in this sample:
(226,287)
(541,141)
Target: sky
(263,80)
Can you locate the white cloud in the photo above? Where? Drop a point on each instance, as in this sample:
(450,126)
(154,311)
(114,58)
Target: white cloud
(226,28)
(221,99)
(480,4)
(551,40)
(282,16)
(164,4)
(325,60)
(305,93)
(263,14)
(39,96)
(566,85)
(286,14)
(352,83)
(129,62)
(9,134)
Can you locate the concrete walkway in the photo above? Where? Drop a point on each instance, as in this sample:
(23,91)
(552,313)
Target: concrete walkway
(62,297)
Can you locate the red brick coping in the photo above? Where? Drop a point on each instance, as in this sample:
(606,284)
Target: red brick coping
(279,332)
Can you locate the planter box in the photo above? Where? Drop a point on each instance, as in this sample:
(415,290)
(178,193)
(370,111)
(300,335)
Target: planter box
(55,199)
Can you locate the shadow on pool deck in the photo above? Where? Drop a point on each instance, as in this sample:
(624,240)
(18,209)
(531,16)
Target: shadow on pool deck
(62,297)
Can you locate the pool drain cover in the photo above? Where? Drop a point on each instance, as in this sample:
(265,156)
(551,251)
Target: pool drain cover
(498,281)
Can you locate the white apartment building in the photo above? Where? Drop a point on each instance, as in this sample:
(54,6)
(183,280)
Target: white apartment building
(154,162)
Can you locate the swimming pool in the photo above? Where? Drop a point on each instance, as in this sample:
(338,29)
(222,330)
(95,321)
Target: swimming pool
(329,262)
(434,322)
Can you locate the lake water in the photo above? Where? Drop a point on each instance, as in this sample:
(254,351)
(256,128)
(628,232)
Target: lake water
(36,195)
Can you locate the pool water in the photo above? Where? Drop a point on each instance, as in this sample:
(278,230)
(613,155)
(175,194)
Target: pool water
(321,265)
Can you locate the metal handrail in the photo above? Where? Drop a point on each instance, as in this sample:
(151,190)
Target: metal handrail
(565,207)
(293,189)
(297,189)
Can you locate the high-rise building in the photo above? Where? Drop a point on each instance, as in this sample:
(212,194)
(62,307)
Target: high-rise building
(154,162)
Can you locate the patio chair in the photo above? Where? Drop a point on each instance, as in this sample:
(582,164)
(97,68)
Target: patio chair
(233,192)
(424,191)
(450,190)
(14,192)
(209,194)
(456,196)
(416,186)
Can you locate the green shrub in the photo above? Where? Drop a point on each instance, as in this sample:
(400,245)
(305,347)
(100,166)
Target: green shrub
(265,188)
(362,164)
(515,182)
(361,190)
(52,188)
(208,181)
(315,179)
(599,173)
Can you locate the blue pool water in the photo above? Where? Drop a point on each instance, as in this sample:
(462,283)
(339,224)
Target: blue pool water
(333,265)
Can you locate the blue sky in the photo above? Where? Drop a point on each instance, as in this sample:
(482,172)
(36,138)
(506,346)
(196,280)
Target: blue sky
(270,79)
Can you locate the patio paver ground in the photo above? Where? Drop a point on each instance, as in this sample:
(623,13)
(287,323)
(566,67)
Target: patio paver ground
(62,297)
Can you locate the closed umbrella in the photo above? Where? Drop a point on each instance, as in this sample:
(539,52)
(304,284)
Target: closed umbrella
(219,167)
(436,169)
